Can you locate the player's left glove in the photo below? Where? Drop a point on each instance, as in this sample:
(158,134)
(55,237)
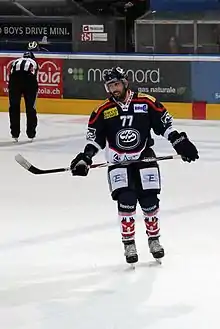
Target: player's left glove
(183,146)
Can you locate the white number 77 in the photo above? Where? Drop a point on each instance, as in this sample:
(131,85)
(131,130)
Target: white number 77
(124,118)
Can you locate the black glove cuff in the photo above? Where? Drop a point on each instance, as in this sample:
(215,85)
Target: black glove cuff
(87,159)
(90,150)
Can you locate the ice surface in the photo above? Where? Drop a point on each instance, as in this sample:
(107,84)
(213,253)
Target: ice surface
(61,257)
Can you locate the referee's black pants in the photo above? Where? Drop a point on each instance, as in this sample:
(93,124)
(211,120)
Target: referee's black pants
(22,84)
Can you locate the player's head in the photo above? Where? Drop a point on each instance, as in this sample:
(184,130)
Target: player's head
(28,54)
(33,45)
(116,83)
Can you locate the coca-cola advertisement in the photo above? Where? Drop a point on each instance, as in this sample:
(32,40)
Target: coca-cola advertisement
(50,79)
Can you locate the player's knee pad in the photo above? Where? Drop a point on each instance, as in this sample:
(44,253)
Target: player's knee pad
(150,204)
(150,208)
(126,212)
(127,201)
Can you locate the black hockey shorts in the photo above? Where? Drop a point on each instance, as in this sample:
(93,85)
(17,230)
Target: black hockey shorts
(143,178)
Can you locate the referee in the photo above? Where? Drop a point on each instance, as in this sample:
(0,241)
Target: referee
(23,82)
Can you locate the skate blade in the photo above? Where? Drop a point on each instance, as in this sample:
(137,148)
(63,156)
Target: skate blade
(132,266)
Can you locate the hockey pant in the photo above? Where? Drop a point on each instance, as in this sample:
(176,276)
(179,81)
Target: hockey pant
(130,185)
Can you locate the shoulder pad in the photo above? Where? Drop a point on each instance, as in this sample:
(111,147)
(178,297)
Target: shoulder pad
(142,95)
(104,104)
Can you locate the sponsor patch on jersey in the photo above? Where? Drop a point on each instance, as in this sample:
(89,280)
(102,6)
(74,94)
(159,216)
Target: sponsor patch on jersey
(140,108)
(108,114)
(117,158)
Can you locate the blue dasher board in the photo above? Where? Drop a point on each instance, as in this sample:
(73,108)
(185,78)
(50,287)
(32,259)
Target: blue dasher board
(185,5)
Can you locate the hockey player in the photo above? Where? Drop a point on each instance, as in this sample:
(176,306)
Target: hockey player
(23,82)
(122,126)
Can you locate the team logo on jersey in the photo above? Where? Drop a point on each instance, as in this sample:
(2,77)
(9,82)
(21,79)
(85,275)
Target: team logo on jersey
(110,113)
(140,108)
(128,139)
(91,134)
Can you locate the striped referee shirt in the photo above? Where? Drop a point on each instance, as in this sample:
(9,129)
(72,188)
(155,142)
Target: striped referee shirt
(24,65)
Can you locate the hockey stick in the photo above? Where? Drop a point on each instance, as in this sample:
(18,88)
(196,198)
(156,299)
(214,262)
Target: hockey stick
(37,171)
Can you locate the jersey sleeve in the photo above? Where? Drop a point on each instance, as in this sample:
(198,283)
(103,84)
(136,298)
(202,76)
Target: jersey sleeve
(37,67)
(95,131)
(12,65)
(161,120)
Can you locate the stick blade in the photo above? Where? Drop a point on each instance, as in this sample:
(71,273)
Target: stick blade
(22,161)
(27,165)
(34,170)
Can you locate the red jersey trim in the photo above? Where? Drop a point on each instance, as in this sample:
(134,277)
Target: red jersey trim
(100,110)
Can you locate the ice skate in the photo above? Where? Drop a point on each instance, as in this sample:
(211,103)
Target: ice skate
(15,139)
(31,135)
(130,252)
(156,249)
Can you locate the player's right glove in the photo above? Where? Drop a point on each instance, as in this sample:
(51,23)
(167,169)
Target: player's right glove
(80,165)
(183,146)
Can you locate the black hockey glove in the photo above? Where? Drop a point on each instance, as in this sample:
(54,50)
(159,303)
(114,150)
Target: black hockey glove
(183,146)
(80,165)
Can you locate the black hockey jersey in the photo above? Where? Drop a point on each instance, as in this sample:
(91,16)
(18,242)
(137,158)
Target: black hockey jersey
(124,129)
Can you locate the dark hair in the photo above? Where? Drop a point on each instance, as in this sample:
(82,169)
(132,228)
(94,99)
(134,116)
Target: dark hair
(28,54)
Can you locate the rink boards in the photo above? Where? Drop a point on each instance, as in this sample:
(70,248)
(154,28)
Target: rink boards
(198,110)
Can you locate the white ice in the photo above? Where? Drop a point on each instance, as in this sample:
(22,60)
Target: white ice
(61,257)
